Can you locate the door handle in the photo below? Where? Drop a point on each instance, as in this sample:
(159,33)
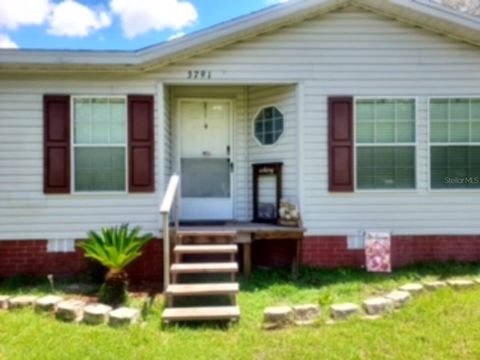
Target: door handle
(232,166)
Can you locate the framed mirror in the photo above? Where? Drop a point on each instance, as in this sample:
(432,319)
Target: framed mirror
(267,192)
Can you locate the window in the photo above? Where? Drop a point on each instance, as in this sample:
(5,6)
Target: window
(268,125)
(455,143)
(385,143)
(99,144)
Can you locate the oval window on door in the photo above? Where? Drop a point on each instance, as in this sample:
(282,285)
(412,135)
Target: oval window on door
(268,125)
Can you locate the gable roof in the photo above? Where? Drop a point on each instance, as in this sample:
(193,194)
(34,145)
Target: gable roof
(422,13)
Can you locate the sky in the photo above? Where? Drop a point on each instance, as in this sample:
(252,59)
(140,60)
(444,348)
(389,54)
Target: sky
(111,24)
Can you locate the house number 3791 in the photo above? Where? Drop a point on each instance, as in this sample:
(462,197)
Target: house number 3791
(199,74)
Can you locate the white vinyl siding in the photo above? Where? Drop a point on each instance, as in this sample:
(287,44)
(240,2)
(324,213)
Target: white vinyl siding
(358,53)
(25,211)
(347,52)
(285,149)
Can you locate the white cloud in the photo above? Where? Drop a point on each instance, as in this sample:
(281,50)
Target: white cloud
(6,42)
(74,19)
(70,18)
(141,16)
(15,13)
(271,2)
(176,35)
(65,18)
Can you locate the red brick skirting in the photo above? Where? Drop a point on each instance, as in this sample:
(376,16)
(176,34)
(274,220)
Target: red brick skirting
(332,251)
(408,250)
(30,257)
(148,267)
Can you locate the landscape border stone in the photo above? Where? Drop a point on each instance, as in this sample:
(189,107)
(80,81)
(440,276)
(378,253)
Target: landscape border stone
(344,310)
(23,301)
(460,284)
(276,317)
(305,315)
(123,316)
(434,285)
(47,303)
(378,305)
(70,310)
(4,302)
(413,288)
(96,314)
(399,298)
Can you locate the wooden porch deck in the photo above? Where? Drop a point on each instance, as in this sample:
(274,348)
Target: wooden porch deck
(249,232)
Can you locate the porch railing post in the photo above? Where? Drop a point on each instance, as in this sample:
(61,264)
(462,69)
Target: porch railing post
(170,199)
(177,211)
(166,250)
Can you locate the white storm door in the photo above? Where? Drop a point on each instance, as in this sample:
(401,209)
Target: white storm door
(205,160)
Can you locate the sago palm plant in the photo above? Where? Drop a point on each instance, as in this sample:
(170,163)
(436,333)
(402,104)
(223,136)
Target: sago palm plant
(115,248)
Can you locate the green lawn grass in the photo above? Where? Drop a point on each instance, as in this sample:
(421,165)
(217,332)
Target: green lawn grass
(440,325)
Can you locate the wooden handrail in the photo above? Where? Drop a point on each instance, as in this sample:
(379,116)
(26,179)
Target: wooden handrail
(171,197)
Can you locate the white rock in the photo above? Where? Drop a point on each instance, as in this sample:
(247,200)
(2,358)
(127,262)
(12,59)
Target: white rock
(4,302)
(434,285)
(460,284)
(47,303)
(343,311)
(123,316)
(399,298)
(277,317)
(305,314)
(21,302)
(378,305)
(413,289)
(96,314)
(70,310)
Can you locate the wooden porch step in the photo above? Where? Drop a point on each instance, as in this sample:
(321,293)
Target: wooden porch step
(201,268)
(207,233)
(203,289)
(206,249)
(202,313)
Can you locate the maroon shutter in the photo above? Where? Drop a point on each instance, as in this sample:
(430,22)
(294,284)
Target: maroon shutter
(141,141)
(340,144)
(56,133)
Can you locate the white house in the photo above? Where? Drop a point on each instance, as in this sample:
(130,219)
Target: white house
(371,106)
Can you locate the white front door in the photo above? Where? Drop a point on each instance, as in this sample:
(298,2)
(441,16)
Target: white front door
(205,160)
